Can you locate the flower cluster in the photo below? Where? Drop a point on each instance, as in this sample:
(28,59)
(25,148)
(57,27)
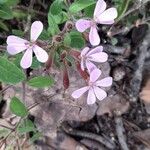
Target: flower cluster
(88,56)
(101,16)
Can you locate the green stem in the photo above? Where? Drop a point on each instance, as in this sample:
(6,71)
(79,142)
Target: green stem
(124,10)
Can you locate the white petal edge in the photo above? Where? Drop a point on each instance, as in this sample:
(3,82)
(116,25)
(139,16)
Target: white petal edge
(93,36)
(36,30)
(99,8)
(26,60)
(95,50)
(106,82)
(78,93)
(83,24)
(100,94)
(91,99)
(15,40)
(95,74)
(40,54)
(15,49)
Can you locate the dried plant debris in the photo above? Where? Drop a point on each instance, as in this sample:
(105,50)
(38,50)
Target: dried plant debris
(111,104)
(145,92)
(143,136)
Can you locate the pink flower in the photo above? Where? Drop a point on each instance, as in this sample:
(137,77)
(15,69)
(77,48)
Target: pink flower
(93,87)
(101,16)
(17,45)
(95,55)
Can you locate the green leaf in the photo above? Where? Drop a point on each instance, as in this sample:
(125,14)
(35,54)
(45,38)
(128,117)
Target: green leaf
(61,18)
(3,26)
(35,63)
(18,108)
(74,39)
(19,14)
(41,82)
(26,126)
(35,137)
(9,72)
(80,5)
(3,1)
(12,2)
(17,32)
(5,12)
(89,11)
(122,7)
(44,35)
(55,7)
(53,27)
(3,132)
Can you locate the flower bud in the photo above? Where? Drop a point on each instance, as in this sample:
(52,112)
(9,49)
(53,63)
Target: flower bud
(75,54)
(69,26)
(65,76)
(84,73)
(49,62)
(63,55)
(57,39)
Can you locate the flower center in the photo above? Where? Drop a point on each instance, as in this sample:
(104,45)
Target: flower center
(30,44)
(91,84)
(93,22)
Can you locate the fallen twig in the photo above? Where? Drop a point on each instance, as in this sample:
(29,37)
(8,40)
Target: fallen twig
(136,80)
(120,130)
(88,135)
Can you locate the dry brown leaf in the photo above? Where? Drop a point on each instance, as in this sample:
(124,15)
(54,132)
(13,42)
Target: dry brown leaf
(143,136)
(145,93)
(111,104)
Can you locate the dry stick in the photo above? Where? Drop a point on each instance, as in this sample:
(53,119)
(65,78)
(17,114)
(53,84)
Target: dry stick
(120,129)
(135,8)
(129,12)
(126,29)
(5,89)
(2,48)
(114,49)
(136,80)
(13,130)
(88,135)
(31,10)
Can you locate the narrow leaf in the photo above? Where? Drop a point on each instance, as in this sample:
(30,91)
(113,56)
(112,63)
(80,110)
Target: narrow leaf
(41,82)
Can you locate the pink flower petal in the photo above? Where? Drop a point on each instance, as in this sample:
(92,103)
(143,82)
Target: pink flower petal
(100,94)
(90,66)
(95,74)
(98,57)
(93,36)
(108,15)
(41,54)
(99,8)
(91,99)
(36,29)
(15,40)
(26,60)
(15,49)
(78,93)
(84,51)
(104,82)
(108,22)
(95,50)
(82,64)
(83,24)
